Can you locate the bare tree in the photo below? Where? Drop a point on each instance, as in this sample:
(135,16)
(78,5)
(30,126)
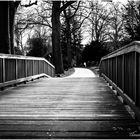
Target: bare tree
(116,33)
(131,17)
(74,17)
(99,21)
(20,28)
(31,19)
(7,14)
(57,51)
(69,15)
(48,14)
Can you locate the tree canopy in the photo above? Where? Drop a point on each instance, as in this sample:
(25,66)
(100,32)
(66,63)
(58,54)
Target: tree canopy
(93,52)
(108,25)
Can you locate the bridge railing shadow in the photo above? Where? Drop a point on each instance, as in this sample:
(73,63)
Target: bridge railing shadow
(15,69)
(121,69)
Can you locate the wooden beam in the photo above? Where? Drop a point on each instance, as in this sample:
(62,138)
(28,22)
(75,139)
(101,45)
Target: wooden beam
(125,97)
(132,47)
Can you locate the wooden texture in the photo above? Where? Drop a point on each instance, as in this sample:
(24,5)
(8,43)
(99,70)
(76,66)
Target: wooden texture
(131,47)
(125,98)
(14,69)
(64,108)
(123,70)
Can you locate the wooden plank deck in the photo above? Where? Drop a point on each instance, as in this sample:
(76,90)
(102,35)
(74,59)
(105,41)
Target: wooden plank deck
(64,108)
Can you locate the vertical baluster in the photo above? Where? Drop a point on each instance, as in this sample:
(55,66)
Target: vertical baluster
(43,66)
(112,69)
(123,68)
(108,67)
(1,70)
(138,80)
(116,70)
(47,65)
(50,71)
(47,68)
(33,71)
(135,77)
(38,67)
(25,68)
(105,66)
(3,66)
(16,67)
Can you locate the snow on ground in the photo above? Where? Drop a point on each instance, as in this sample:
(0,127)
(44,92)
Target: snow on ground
(82,72)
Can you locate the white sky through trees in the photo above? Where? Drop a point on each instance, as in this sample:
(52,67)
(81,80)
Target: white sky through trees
(85,35)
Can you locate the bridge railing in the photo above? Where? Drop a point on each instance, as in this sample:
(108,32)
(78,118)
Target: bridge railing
(16,68)
(122,69)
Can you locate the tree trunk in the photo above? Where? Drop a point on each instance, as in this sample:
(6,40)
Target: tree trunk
(7,14)
(12,11)
(69,53)
(68,36)
(57,51)
(4,29)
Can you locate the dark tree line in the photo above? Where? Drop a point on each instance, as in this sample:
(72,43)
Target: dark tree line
(7,13)
(70,32)
(132,20)
(123,23)
(7,16)
(93,52)
(66,39)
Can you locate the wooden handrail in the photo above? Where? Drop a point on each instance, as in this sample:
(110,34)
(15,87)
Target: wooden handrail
(132,47)
(24,57)
(17,68)
(121,69)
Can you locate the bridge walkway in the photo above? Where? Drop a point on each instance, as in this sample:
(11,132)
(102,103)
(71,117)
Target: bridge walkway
(76,107)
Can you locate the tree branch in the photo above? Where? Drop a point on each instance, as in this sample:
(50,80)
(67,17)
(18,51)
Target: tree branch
(16,3)
(82,22)
(30,4)
(75,10)
(66,5)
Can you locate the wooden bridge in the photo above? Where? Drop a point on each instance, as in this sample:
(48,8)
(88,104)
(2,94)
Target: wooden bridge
(82,107)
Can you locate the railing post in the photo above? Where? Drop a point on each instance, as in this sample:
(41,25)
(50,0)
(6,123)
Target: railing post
(16,67)
(26,68)
(51,71)
(116,70)
(38,68)
(123,68)
(33,67)
(3,67)
(135,78)
(43,66)
(12,66)
(108,67)
(127,63)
